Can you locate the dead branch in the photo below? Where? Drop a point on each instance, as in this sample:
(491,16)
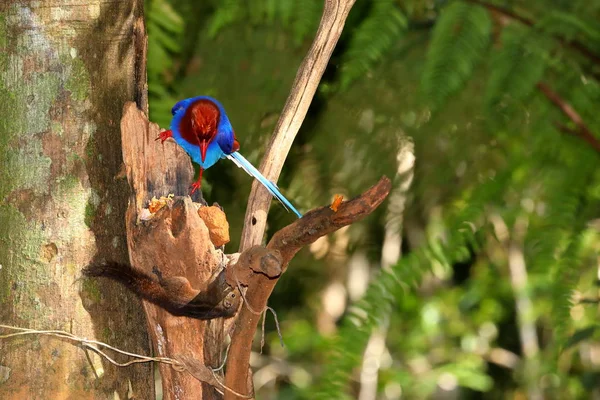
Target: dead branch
(295,109)
(322,221)
(282,248)
(582,131)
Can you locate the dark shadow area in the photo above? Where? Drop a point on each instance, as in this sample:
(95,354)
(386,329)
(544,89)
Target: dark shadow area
(110,55)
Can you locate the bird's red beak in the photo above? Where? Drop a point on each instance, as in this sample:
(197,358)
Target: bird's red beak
(203,148)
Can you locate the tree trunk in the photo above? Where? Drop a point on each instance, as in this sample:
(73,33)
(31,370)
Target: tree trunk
(66,69)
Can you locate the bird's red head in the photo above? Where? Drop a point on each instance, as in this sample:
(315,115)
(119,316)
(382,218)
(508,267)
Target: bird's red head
(199,124)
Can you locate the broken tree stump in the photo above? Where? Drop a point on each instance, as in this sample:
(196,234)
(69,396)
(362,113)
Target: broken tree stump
(173,244)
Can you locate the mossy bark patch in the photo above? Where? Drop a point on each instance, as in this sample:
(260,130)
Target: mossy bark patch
(52,108)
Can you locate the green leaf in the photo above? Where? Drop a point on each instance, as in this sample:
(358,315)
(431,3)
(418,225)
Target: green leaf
(378,32)
(570,27)
(459,38)
(518,66)
(306,19)
(228,12)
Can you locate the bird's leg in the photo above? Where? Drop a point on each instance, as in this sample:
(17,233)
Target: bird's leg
(164,135)
(198,184)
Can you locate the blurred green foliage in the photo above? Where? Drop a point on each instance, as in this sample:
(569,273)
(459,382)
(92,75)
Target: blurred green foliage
(496,292)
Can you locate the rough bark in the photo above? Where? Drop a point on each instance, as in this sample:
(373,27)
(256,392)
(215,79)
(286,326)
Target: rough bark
(66,69)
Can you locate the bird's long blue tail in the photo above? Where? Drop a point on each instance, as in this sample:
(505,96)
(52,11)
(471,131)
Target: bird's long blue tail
(244,164)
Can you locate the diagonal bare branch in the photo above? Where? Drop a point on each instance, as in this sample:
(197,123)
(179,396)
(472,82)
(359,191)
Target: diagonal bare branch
(582,131)
(303,90)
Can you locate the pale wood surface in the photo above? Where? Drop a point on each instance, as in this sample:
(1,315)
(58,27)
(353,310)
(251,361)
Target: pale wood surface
(303,90)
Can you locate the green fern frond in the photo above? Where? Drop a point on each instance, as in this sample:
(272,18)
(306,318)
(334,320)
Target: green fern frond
(256,13)
(165,29)
(460,36)
(306,18)
(165,32)
(517,66)
(300,16)
(383,293)
(567,223)
(228,12)
(570,27)
(388,288)
(584,96)
(565,277)
(285,9)
(271,10)
(554,241)
(380,29)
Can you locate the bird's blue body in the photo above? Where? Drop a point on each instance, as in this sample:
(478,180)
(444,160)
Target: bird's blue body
(201,127)
(224,136)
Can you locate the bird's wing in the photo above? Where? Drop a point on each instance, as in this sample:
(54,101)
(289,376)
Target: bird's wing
(226,139)
(244,164)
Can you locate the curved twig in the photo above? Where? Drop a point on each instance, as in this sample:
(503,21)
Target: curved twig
(284,245)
